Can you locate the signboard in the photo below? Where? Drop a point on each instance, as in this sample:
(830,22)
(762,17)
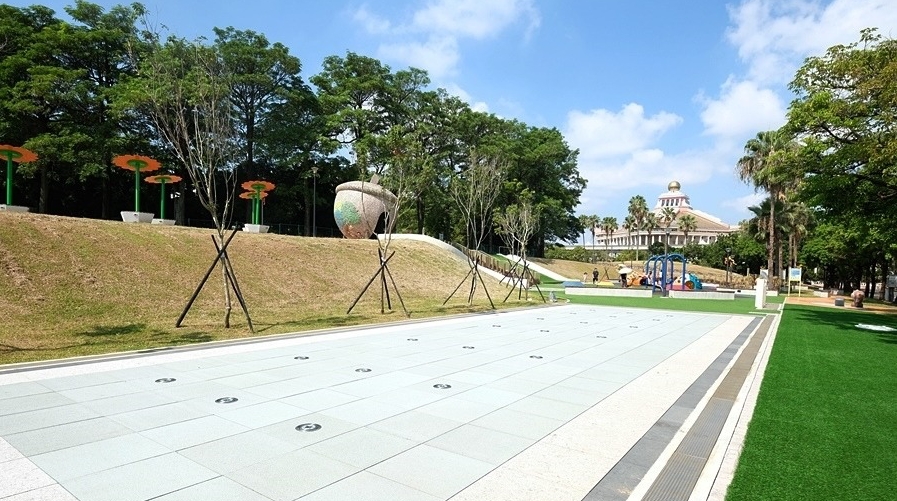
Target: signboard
(794,274)
(892,280)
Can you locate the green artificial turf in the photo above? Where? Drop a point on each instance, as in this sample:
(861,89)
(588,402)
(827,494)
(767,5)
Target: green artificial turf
(736,306)
(825,424)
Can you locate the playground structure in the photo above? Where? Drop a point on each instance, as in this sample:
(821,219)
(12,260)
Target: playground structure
(665,278)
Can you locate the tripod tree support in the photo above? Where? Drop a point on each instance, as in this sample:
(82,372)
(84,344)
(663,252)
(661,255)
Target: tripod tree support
(475,273)
(383,273)
(223,258)
(519,282)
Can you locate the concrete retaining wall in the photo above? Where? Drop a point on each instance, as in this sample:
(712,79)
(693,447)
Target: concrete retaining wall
(702,295)
(602,291)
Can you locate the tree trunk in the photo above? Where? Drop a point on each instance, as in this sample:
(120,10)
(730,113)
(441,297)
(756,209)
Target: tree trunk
(771,246)
(44,189)
(420,214)
(180,205)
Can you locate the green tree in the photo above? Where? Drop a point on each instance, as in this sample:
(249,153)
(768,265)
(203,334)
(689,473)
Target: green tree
(608,226)
(761,166)
(687,224)
(638,210)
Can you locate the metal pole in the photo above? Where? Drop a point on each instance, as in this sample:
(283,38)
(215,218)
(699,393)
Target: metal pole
(136,189)
(162,203)
(314,206)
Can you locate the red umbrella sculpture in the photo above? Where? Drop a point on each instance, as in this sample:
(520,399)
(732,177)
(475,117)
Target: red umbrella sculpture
(138,164)
(163,179)
(257,190)
(18,155)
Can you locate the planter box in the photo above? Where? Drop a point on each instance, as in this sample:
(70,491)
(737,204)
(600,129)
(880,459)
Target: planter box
(136,217)
(166,222)
(13,208)
(255,228)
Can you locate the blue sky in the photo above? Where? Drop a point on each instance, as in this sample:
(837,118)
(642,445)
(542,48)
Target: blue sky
(648,91)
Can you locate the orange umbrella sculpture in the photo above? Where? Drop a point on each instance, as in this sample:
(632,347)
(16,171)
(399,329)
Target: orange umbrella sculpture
(138,164)
(258,191)
(18,155)
(163,179)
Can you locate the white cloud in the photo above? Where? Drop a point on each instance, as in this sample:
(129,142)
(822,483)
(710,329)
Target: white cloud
(618,153)
(429,38)
(474,18)
(742,109)
(774,36)
(456,90)
(438,55)
(741,204)
(371,22)
(602,133)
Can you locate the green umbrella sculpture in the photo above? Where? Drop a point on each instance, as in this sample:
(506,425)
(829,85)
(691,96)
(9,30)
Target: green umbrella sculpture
(18,155)
(258,190)
(163,179)
(138,164)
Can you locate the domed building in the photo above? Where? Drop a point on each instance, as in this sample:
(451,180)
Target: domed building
(708,228)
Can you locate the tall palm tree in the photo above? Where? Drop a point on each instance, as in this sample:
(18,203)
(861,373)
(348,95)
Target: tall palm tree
(687,224)
(630,225)
(594,221)
(609,226)
(583,221)
(649,224)
(638,209)
(666,218)
(761,166)
(796,220)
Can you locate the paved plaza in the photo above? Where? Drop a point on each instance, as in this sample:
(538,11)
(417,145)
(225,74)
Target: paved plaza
(566,402)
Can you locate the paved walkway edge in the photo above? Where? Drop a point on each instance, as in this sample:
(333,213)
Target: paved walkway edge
(709,473)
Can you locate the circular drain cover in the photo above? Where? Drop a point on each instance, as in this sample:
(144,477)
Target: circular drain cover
(535,356)
(363,369)
(495,325)
(166,380)
(441,386)
(467,347)
(308,427)
(412,339)
(300,358)
(633,326)
(602,337)
(226,400)
(543,330)
(540,318)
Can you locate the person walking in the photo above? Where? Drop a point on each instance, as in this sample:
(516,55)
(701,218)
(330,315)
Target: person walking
(595,276)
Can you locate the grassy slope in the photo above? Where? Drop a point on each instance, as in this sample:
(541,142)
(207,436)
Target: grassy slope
(825,425)
(78,286)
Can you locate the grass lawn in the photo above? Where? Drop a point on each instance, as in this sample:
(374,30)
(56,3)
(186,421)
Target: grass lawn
(737,306)
(825,425)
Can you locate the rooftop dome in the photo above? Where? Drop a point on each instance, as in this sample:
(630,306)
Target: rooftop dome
(674,186)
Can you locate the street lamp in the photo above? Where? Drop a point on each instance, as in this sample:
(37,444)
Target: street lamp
(314,198)
(728,264)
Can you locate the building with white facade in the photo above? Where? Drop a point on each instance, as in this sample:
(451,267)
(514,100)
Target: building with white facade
(708,227)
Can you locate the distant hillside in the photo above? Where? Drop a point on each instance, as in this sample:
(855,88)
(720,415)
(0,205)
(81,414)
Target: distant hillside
(81,286)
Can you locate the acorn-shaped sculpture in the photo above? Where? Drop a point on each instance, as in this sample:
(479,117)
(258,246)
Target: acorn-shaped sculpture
(358,206)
